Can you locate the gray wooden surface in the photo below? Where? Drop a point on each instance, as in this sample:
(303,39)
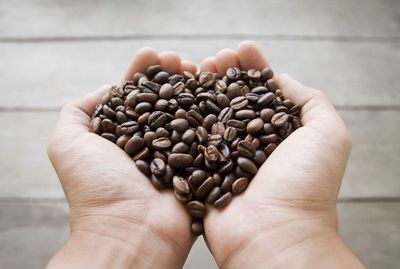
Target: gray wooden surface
(54,51)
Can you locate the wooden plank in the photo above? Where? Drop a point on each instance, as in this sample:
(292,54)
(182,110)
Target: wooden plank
(373,169)
(36,231)
(311,17)
(49,74)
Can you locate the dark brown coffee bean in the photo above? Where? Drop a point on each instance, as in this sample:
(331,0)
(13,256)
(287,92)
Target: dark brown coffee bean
(239,102)
(185,99)
(266,114)
(147,97)
(149,137)
(180,160)
(260,90)
(259,157)
(157,167)
(180,185)
(141,155)
(180,125)
(215,140)
(161,105)
(134,145)
(218,128)
(157,182)
(207,79)
(169,173)
(196,209)
(157,119)
(121,117)
(240,185)
(296,123)
(267,73)
(230,134)
(166,91)
(209,120)
(197,228)
(223,201)
(226,185)
(225,114)
(220,86)
(195,118)
(268,128)
(279,119)
(108,111)
(107,126)
(198,161)
(131,98)
(211,154)
(121,141)
(272,86)
(266,99)
(143,167)
(180,147)
(161,77)
(109,136)
(245,114)
(189,136)
(233,73)
(247,165)
(217,179)
(183,198)
(201,134)
(226,168)
(198,177)
(266,139)
(143,107)
(295,110)
(254,125)
(238,125)
(214,194)
(161,143)
(95,125)
(205,188)
(233,91)
(129,127)
(152,70)
(270,148)
(246,149)
(239,172)
(222,100)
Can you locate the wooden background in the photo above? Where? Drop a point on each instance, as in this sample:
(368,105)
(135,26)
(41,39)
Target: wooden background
(54,51)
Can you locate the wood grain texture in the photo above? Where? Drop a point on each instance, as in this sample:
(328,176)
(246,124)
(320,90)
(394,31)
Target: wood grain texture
(46,18)
(373,169)
(50,74)
(36,231)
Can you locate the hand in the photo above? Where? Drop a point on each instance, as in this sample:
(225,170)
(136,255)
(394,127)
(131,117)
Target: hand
(118,219)
(287,216)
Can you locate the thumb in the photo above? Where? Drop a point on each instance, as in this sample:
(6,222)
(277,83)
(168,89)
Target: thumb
(317,111)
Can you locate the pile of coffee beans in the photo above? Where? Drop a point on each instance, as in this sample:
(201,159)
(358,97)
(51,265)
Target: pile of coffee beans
(203,135)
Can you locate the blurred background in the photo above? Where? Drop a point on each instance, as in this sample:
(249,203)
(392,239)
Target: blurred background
(52,51)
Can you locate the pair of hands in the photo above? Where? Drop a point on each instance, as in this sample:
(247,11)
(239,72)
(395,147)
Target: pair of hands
(285,219)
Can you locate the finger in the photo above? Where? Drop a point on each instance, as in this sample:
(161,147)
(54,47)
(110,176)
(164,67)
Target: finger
(226,58)
(170,62)
(209,64)
(250,56)
(316,110)
(144,58)
(188,66)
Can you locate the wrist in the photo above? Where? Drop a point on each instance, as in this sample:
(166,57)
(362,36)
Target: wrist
(105,242)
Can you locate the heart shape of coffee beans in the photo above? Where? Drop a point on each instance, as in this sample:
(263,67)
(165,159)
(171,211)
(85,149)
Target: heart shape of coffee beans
(203,135)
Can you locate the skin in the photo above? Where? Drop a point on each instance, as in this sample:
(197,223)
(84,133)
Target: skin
(286,219)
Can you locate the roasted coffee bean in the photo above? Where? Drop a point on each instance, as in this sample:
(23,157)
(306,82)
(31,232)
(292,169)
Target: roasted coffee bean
(161,77)
(239,102)
(254,125)
(180,185)
(205,188)
(230,134)
(266,99)
(149,137)
(227,183)
(129,127)
(266,139)
(267,73)
(225,114)
(198,161)
(95,125)
(143,107)
(143,167)
(259,90)
(296,123)
(157,182)
(209,121)
(286,130)
(196,209)
(233,91)
(147,97)
(185,99)
(233,73)
(272,86)
(212,107)
(107,126)
(157,119)
(207,79)
(211,154)
(134,145)
(270,148)
(161,105)
(279,119)
(180,160)
(108,111)
(215,140)
(180,148)
(201,134)
(245,114)
(197,228)
(238,125)
(121,141)
(109,136)
(259,157)
(198,177)
(152,70)
(161,143)
(246,149)
(266,114)
(247,165)
(218,128)
(239,172)
(223,201)
(220,86)
(295,110)
(195,118)
(268,128)
(169,173)
(222,100)
(180,125)
(141,155)
(214,194)
(157,167)
(226,167)
(189,136)
(239,185)
(183,198)
(166,91)
(162,132)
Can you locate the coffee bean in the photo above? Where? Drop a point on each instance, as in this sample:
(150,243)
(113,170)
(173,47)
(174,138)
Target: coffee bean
(227,183)
(95,125)
(180,160)
(180,125)
(198,161)
(270,148)
(246,149)
(240,185)
(247,165)
(220,86)
(239,102)
(267,73)
(183,198)
(180,147)
(230,134)
(266,114)
(266,100)
(157,167)
(272,86)
(143,167)
(147,97)
(198,177)
(223,201)
(207,79)
(233,73)
(238,125)
(259,157)
(157,119)
(141,155)
(143,107)
(108,111)
(194,118)
(161,143)
(109,136)
(185,99)
(225,168)
(254,125)
(209,120)
(157,182)
(245,114)
(196,209)
(129,127)
(233,91)
(180,185)
(239,172)
(121,141)
(166,91)
(151,71)
(279,119)
(201,134)
(161,77)
(134,145)
(189,136)
(214,194)
(107,126)
(205,188)
(211,154)
(197,228)
(225,114)
(296,123)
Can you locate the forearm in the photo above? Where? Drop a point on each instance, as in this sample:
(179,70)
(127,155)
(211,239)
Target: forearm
(98,248)
(299,247)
